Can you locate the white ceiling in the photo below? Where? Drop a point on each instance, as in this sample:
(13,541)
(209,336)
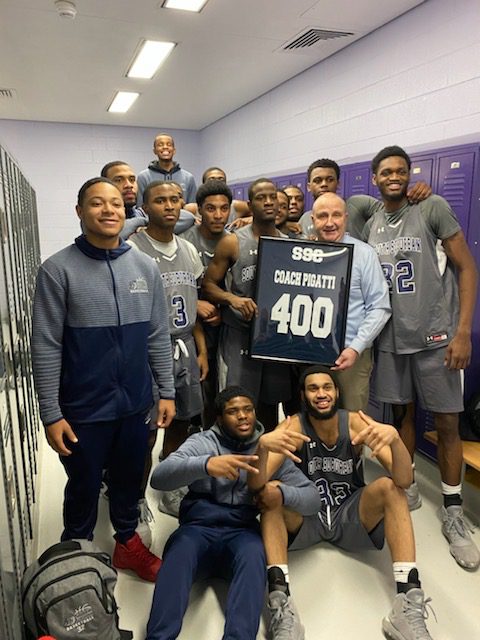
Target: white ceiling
(229,54)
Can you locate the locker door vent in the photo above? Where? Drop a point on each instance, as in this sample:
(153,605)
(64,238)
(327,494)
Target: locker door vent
(311,36)
(454,190)
(7,94)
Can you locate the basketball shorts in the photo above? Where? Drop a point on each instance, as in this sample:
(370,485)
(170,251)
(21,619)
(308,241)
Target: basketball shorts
(344,531)
(401,378)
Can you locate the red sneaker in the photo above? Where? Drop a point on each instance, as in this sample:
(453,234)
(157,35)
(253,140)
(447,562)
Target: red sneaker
(135,556)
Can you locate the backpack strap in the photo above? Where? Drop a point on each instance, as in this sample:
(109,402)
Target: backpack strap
(59,549)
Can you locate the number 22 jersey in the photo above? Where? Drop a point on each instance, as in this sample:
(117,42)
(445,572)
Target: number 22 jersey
(422,283)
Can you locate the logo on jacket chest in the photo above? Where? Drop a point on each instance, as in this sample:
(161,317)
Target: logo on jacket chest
(139,285)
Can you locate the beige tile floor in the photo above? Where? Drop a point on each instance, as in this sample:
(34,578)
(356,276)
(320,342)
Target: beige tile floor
(339,596)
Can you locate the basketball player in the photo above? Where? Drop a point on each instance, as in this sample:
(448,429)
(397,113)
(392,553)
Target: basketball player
(353,516)
(181,271)
(237,254)
(427,341)
(214,201)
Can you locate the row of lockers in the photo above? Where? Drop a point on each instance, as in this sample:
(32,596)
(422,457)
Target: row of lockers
(450,172)
(19,427)
(453,173)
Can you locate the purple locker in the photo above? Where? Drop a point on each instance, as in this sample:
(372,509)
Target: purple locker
(455,182)
(424,422)
(356,180)
(422,170)
(239,191)
(283,182)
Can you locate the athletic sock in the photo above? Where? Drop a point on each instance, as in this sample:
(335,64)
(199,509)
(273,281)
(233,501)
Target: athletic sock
(452,495)
(277,575)
(406,576)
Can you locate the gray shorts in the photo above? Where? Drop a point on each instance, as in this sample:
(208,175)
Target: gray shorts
(266,381)
(186,373)
(345,531)
(401,378)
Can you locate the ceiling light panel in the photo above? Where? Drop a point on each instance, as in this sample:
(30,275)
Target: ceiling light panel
(185,5)
(151,55)
(122,101)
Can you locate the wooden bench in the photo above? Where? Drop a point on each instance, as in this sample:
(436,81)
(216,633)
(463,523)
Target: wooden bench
(471,456)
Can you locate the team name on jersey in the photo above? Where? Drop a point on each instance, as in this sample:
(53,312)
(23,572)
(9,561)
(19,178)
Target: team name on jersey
(330,464)
(404,243)
(174,278)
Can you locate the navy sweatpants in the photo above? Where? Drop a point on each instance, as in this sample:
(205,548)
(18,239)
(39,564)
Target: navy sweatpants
(120,447)
(195,551)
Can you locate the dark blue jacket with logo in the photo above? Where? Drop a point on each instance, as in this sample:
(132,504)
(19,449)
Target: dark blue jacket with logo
(100,331)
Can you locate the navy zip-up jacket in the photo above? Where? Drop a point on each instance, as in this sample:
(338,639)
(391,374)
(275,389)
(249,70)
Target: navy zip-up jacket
(100,331)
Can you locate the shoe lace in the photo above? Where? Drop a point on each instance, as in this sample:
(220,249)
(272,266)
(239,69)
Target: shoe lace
(457,526)
(145,514)
(417,613)
(282,618)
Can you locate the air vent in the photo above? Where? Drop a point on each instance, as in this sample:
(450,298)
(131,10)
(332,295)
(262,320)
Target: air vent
(7,94)
(311,36)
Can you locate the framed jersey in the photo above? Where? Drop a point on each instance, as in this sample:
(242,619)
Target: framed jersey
(302,290)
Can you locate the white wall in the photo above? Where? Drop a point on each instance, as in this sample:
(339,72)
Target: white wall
(414,82)
(58,158)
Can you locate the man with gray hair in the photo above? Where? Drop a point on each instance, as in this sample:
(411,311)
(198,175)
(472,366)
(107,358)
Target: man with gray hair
(368,304)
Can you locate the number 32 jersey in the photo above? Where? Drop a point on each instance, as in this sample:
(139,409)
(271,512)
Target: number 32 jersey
(422,282)
(336,470)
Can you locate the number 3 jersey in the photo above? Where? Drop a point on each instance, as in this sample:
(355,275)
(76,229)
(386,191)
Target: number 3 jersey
(180,268)
(336,471)
(422,282)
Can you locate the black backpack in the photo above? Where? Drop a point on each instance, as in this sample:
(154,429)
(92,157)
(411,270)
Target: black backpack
(68,593)
(470,419)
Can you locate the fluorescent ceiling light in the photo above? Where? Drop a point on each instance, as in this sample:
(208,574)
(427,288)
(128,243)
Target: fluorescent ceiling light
(185,5)
(149,58)
(123,101)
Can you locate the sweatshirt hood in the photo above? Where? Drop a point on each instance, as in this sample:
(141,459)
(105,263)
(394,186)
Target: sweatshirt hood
(238,445)
(101,254)
(155,166)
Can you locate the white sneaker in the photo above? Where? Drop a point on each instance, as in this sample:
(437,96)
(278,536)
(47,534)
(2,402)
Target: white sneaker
(169,501)
(285,622)
(455,530)
(413,497)
(145,518)
(406,620)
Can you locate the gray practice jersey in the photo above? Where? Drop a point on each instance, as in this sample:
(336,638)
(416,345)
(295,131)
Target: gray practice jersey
(423,288)
(360,209)
(205,247)
(336,471)
(242,273)
(179,273)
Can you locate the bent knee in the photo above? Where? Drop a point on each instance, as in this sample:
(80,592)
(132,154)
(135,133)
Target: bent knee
(388,489)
